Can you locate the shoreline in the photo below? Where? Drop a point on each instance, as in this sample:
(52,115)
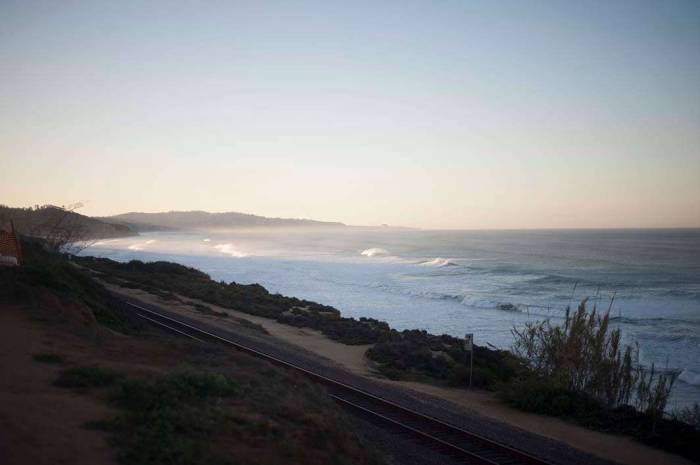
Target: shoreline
(613,447)
(362,291)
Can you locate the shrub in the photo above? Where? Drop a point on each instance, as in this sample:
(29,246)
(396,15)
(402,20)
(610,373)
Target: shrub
(689,416)
(414,354)
(165,278)
(583,356)
(537,396)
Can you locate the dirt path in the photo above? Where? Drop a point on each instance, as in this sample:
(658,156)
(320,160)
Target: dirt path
(349,357)
(617,448)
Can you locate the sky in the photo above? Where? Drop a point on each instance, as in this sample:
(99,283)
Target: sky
(442,114)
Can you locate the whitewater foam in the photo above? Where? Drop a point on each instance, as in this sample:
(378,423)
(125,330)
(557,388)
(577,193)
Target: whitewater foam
(375,252)
(141,245)
(438,262)
(690,377)
(228,249)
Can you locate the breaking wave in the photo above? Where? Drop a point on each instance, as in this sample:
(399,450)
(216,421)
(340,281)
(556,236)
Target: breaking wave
(141,245)
(375,252)
(690,377)
(228,249)
(438,262)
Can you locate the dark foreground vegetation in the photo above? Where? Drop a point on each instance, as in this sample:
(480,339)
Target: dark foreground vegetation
(49,272)
(231,409)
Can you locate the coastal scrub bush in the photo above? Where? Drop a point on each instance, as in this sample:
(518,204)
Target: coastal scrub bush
(579,370)
(689,416)
(533,395)
(584,355)
(419,355)
(536,395)
(166,277)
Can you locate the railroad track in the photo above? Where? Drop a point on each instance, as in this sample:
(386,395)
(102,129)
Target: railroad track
(459,444)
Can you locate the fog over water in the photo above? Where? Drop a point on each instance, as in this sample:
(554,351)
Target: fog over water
(456,282)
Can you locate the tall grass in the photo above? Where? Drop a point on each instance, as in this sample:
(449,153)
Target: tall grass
(584,355)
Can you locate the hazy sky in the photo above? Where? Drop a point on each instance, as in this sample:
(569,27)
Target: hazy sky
(431,114)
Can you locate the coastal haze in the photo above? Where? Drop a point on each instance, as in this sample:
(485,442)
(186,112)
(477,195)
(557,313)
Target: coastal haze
(457,282)
(326,198)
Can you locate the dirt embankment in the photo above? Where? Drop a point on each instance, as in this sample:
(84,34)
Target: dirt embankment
(607,446)
(43,424)
(40,423)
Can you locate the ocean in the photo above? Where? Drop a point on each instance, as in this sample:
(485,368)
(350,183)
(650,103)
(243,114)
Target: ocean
(457,282)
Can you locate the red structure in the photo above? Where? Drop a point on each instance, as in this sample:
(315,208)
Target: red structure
(10,251)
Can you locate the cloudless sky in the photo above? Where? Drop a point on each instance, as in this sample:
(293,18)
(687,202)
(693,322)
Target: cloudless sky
(471,114)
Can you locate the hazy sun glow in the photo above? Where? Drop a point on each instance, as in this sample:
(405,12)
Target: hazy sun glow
(444,115)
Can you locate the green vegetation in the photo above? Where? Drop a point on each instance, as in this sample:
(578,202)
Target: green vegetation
(169,278)
(86,377)
(580,371)
(48,358)
(584,356)
(689,416)
(52,272)
(167,420)
(200,417)
(419,355)
(207,310)
(250,325)
(538,396)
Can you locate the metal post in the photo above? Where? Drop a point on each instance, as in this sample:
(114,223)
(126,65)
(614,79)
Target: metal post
(471,366)
(469,347)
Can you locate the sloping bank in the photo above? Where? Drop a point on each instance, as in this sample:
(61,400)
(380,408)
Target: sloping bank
(82,383)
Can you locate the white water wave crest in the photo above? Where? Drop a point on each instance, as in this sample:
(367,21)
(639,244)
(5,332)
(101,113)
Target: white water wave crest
(690,377)
(141,245)
(375,252)
(438,262)
(229,249)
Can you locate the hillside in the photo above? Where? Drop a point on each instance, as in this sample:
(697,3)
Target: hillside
(83,382)
(205,220)
(43,220)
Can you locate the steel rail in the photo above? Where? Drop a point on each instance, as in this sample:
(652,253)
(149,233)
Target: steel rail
(511,454)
